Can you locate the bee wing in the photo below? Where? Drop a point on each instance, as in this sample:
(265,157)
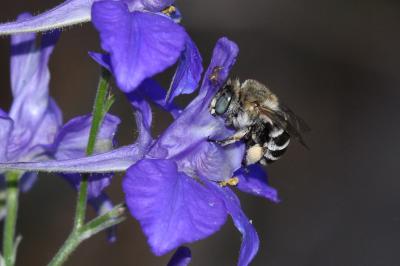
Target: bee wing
(288,121)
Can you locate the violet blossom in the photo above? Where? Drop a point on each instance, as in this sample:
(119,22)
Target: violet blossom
(142,44)
(181,257)
(141,38)
(174,190)
(72,12)
(33,130)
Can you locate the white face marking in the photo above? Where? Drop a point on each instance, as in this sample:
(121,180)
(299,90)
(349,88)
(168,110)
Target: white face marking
(254,154)
(213,102)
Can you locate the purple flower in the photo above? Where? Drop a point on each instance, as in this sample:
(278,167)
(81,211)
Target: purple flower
(34,117)
(181,257)
(73,12)
(142,44)
(175,184)
(33,131)
(175,191)
(140,39)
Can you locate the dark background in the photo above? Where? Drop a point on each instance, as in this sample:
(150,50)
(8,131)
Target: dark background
(335,63)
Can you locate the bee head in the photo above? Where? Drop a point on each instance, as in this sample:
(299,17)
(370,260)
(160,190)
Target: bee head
(222,100)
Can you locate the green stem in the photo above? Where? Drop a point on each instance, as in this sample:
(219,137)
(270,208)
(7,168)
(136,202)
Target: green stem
(12,179)
(82,231)
(93,227)
(97,119)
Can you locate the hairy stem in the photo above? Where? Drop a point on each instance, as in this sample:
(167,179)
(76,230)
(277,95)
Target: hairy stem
(12,179)
(98,114)
(82,231)
(98,224)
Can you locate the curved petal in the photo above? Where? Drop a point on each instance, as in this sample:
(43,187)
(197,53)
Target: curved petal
(6,125)
(141,44)
(223,59)
(143,118)
(97,182)
(171,207)
(72,139)
(45,132)
(153,92)
(188,72)
(250,240)
(68,13)
(149,88)
(194,126)
(72,12)
(181,257)
(28,179)
(32,106)
(103,60)
(211,161)
(254,180)
(117,160)
(71,142)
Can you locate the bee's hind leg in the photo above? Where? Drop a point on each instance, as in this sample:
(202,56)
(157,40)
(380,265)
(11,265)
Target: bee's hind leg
(234,138)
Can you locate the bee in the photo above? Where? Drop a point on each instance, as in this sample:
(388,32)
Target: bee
(261,121)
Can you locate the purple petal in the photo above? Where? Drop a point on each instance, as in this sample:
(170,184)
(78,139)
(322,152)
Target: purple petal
(32,108)
(103,60)
(46,131)
(148,89)
(97,183)
(171,207)
(181,257)
(223,59)
(6,125)
(71,143)
(141,44)
(153,92)
(72,139)
(72,12)
(253,179)
(187,141)
(250,240)
(188,72)
(117,160)
(68,13)
(143,118)
(28,179)
(194,126)
(211,161)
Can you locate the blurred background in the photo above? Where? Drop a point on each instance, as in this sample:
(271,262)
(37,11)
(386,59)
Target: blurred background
(335,63)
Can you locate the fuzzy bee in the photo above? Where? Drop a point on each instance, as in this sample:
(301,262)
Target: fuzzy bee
(261,121)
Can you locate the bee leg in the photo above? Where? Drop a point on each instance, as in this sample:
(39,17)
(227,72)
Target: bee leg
(234,138)
(254,154)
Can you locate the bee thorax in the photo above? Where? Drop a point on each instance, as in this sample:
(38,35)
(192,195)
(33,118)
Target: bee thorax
(242,120)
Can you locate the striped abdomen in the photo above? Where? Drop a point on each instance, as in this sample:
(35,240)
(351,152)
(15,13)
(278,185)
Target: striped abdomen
(266,144)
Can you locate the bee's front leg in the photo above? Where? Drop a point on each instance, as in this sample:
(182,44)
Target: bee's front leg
(234,138)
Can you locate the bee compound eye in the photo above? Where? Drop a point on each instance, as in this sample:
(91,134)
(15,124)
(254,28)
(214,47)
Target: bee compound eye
(223,103)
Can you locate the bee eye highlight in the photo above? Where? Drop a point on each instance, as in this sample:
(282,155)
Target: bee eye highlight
(223,103)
